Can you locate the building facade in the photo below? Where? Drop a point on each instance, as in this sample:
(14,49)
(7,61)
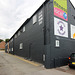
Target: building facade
(48,36)
(2,45)
(7,47)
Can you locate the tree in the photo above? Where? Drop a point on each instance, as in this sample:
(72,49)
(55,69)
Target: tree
(6,40)
(1,40)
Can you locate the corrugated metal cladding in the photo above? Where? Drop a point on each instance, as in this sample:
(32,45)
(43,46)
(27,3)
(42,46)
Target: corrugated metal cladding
(48,36)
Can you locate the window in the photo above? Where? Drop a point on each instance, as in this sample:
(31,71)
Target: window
(18,33)
(34,19)
(11,40)
(24,29)
(21,45)
(15,35)
(12,49)
(73,16)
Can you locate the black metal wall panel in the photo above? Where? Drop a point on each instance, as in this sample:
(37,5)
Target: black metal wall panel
(6,47)
(32,39)
(11,47)
(59,55)
(40,39)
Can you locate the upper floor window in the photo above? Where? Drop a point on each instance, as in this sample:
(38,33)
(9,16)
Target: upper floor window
(18,33)
(15,35)
(12,49)
(21,46)
(11,39)
(34,19)
(24,29)
(73,16)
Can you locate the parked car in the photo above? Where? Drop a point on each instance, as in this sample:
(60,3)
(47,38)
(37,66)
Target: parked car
(72,60)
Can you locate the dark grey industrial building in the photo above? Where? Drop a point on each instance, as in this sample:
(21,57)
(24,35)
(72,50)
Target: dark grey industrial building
(48,36)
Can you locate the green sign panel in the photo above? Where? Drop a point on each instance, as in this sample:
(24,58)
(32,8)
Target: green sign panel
(60,9)
(61,4)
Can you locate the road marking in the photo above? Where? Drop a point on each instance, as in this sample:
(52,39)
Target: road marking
(30,62)
(2,50)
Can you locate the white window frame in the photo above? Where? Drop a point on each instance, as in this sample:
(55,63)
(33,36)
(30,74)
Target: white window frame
(21,46)
(19,33)
(24,29)
(34,19)
(12,49)
(15,35)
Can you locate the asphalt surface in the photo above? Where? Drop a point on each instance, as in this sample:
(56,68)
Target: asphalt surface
(14,65)
(67,69)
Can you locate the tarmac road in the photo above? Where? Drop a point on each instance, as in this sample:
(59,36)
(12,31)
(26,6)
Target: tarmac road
(14,65)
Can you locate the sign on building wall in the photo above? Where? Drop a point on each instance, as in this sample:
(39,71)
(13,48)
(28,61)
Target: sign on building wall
(72,31)
(60,27)
(40,17)
(57,44)
(60,9)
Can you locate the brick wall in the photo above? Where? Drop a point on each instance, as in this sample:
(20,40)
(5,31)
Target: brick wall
(2,45)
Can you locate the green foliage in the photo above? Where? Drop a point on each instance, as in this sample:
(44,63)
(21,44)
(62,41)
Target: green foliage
(1,40)
(6,40)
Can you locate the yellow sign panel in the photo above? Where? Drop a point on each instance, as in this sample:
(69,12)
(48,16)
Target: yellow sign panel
(74,35)
(72,31)
(61,4)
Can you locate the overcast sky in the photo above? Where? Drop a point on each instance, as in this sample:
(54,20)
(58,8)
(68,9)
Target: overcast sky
(13,13)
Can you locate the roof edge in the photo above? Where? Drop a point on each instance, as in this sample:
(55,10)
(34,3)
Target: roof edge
(72,4)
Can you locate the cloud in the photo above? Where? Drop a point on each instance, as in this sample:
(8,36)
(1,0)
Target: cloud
(14,12)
